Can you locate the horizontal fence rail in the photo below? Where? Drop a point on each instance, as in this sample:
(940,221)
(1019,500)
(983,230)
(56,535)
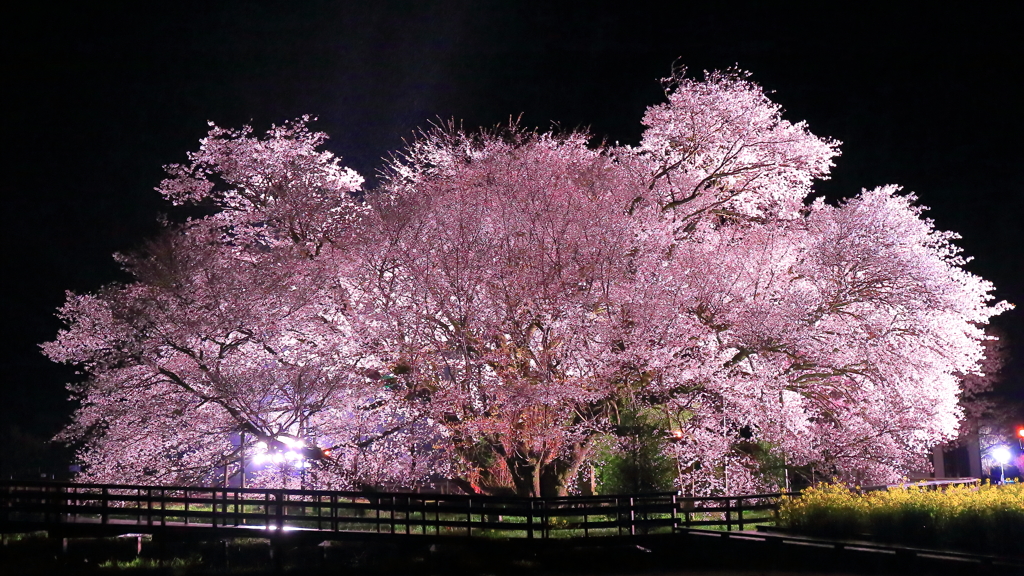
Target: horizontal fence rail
(936,484)
(149,508)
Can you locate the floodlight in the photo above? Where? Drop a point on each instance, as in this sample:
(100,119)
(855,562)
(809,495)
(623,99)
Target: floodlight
(291,442)
(1002,455)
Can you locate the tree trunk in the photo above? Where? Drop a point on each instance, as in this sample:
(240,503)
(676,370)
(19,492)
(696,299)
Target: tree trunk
(530,475)
(551,478)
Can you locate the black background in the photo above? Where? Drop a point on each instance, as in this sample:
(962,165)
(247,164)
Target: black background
(99,98)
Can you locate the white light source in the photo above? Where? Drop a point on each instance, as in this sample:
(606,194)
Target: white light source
(261,446)
(1002,455)
(260,459)
(290,442)
(289,455)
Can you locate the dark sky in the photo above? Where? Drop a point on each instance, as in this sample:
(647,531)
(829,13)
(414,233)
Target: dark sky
(99,98)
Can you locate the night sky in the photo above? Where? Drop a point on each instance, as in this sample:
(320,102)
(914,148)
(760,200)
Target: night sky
(99,98)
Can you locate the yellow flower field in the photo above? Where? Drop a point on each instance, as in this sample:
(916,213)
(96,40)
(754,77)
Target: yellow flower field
(982,518)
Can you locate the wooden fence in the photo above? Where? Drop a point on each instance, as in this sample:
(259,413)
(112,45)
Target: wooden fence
(145,508)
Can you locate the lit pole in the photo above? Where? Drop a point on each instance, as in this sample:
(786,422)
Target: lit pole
(1002,455)
(241,446)
(675,436)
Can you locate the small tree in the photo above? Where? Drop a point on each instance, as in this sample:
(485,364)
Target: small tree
(632,458)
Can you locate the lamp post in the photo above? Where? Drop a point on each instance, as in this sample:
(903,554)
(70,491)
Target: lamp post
(1002,455)
(241,445)
(674,436)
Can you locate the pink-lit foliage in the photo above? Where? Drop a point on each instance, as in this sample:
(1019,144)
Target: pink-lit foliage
(487,311)
(988,419)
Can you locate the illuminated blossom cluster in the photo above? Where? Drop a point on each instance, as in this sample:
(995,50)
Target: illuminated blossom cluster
(486,313)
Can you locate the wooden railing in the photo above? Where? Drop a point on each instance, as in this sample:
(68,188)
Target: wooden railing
(146,508)
(936,484)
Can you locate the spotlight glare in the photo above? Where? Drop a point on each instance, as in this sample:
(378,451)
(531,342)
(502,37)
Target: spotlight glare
(1002,455)
(291,442)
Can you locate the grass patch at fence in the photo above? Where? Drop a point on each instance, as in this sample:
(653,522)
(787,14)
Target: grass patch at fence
(986,518)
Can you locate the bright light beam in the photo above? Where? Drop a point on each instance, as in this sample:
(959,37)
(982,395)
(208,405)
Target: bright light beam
(1002,455)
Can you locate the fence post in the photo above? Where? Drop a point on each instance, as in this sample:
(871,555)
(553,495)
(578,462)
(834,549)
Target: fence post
(675,515)
(529,521)
(377,500)
(542,509)
(618,516)
(47,503)
(469,517)
(334,513)
(280,510)
(225,506)
(586,520)
(728,514)
(632,517)
(545,518)
(62,504)
(423,518)
(104,497)
(739,512)
(44,502)
(213,506)
(266,510)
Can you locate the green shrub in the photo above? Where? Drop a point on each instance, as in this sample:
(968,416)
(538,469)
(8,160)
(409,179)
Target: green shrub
(633,459)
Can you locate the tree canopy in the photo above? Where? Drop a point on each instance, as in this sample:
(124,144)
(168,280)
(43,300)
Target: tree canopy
(493,307)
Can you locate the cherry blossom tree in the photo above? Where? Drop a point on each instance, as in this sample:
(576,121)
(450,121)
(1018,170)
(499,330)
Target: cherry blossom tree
(492,308)
(504,255)
(234,327)
(836,337)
